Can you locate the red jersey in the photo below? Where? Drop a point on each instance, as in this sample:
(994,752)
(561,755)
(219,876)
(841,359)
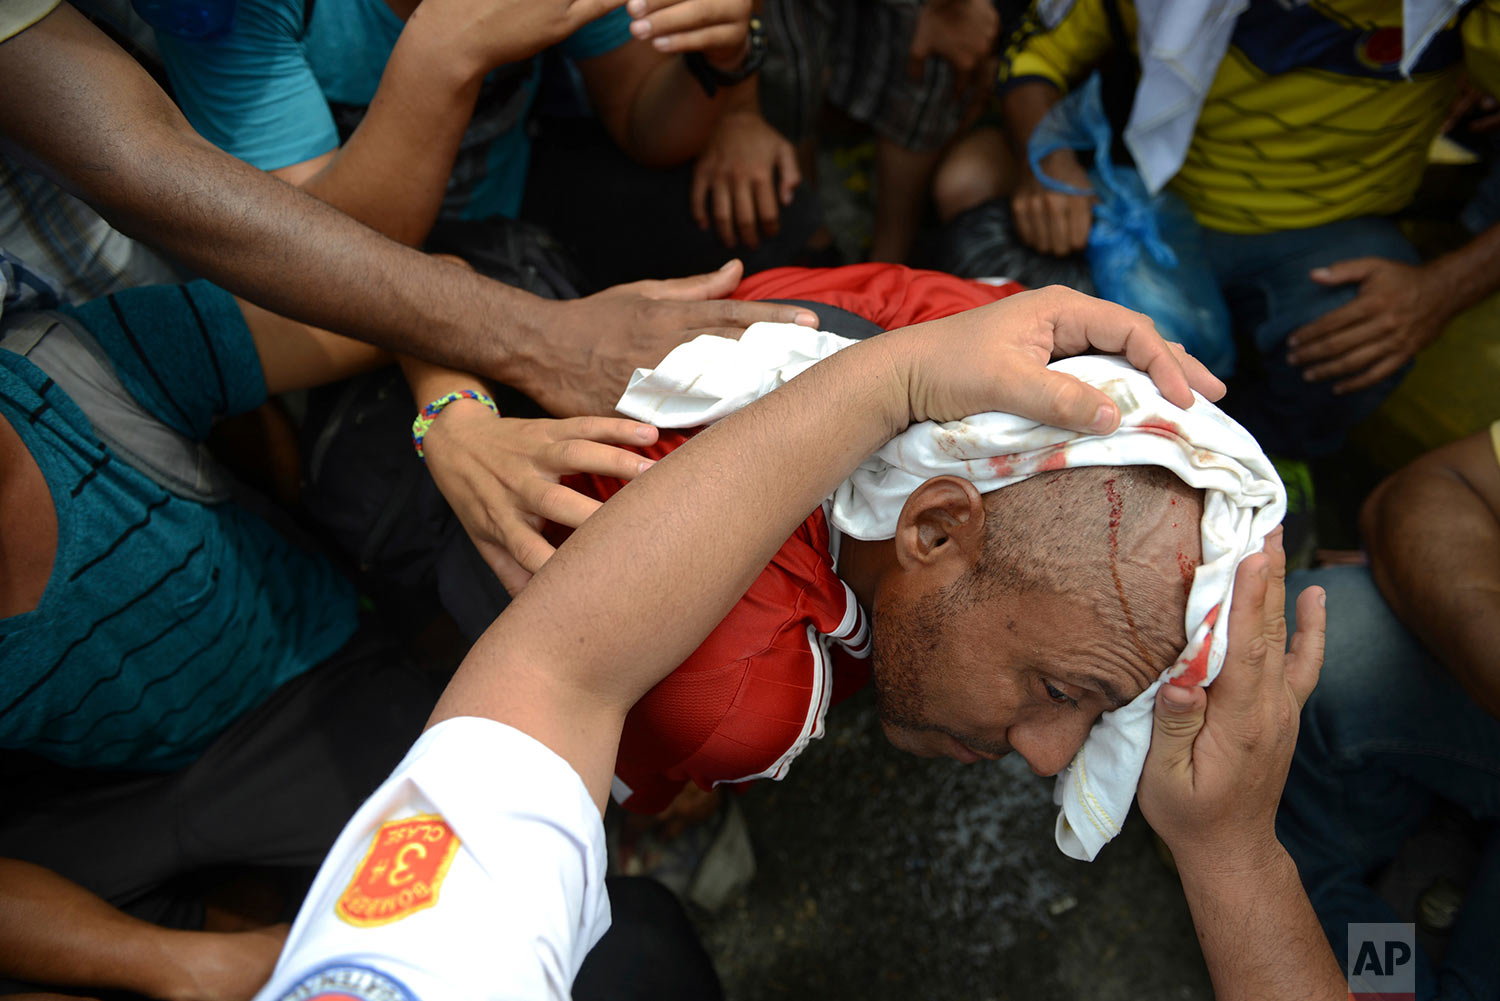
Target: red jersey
(753,695)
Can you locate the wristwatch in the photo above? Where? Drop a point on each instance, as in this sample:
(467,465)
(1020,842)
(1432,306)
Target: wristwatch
(711,78)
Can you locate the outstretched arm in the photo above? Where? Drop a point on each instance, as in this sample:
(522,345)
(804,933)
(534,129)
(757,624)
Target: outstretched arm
(95,122)
(582,643)
(1433,533)
(53,931)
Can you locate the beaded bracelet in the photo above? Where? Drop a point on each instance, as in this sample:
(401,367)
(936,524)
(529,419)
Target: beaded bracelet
(420,426)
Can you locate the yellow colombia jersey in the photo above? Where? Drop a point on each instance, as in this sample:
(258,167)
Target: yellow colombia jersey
(1308,120)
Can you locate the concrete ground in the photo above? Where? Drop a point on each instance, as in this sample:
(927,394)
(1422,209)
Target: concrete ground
(882,875)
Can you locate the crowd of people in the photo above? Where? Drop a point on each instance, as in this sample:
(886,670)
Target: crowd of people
(429,425)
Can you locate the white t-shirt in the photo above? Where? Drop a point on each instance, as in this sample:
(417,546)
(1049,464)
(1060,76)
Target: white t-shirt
(475,871)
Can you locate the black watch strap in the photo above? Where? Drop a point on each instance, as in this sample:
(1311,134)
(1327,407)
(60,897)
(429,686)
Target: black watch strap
(711,78)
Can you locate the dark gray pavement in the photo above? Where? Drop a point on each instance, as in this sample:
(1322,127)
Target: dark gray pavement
(882,875)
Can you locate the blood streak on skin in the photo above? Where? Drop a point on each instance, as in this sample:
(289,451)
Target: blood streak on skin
(1116,511)
(1196,669)
(1188,567)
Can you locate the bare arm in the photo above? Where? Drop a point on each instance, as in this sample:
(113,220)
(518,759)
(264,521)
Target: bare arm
(1051,221)
(1213,778)
(583,642)
(98,124)
(643,92)
(296,356)
(53,931)
(392,172)
(1433,534)
(95,122)
(1259,934)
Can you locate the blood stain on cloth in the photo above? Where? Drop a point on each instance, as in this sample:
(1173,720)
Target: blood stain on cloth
(1161,426)
(1054,460)
(1116,511)
(1195,669)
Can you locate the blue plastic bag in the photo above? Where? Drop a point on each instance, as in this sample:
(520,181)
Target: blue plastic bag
(1145,251)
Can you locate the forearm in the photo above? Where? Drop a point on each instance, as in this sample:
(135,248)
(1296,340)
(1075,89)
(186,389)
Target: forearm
(672,116)
(295,356)
(393,171)
(1433,535)
(1468,274)
(1259,935)
(751,479)
(95,122)
(1023,107)
(53,931)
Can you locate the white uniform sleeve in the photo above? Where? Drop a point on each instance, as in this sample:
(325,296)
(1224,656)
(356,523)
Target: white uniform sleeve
(475,871)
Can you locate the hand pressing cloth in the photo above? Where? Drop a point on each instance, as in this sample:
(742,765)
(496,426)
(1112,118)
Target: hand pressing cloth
(707,378)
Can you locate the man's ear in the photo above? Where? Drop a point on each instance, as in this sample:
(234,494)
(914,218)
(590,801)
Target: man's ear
(942,520)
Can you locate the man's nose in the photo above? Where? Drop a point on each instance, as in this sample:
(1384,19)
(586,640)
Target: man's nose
(1048,747)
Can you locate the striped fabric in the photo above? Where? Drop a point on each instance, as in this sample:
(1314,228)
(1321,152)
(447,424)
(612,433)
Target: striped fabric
(164,619)
(1308,120)
(853,53)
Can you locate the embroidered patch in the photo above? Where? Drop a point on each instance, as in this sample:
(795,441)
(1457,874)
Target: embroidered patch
(401,873)
(347,982)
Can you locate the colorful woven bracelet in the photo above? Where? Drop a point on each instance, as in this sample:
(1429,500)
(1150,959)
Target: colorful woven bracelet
(420,426)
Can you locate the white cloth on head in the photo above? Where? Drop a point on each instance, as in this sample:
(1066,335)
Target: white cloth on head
(1244,500)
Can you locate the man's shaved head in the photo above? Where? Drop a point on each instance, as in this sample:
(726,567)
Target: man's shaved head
(1067,603)
(1090,531)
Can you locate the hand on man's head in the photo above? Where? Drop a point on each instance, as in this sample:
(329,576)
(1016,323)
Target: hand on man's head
(995,358)
(1219,756)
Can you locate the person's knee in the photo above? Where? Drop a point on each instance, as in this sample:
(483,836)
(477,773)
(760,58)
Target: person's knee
(976,170)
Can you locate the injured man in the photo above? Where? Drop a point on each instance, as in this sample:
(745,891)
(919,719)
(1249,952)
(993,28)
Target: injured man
(1010,586)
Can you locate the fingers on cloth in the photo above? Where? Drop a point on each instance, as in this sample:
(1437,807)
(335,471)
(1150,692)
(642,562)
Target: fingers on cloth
(1177,718)
(737,314)
(1062,400)
(1080,322)
(1199,377)
(1238,689)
